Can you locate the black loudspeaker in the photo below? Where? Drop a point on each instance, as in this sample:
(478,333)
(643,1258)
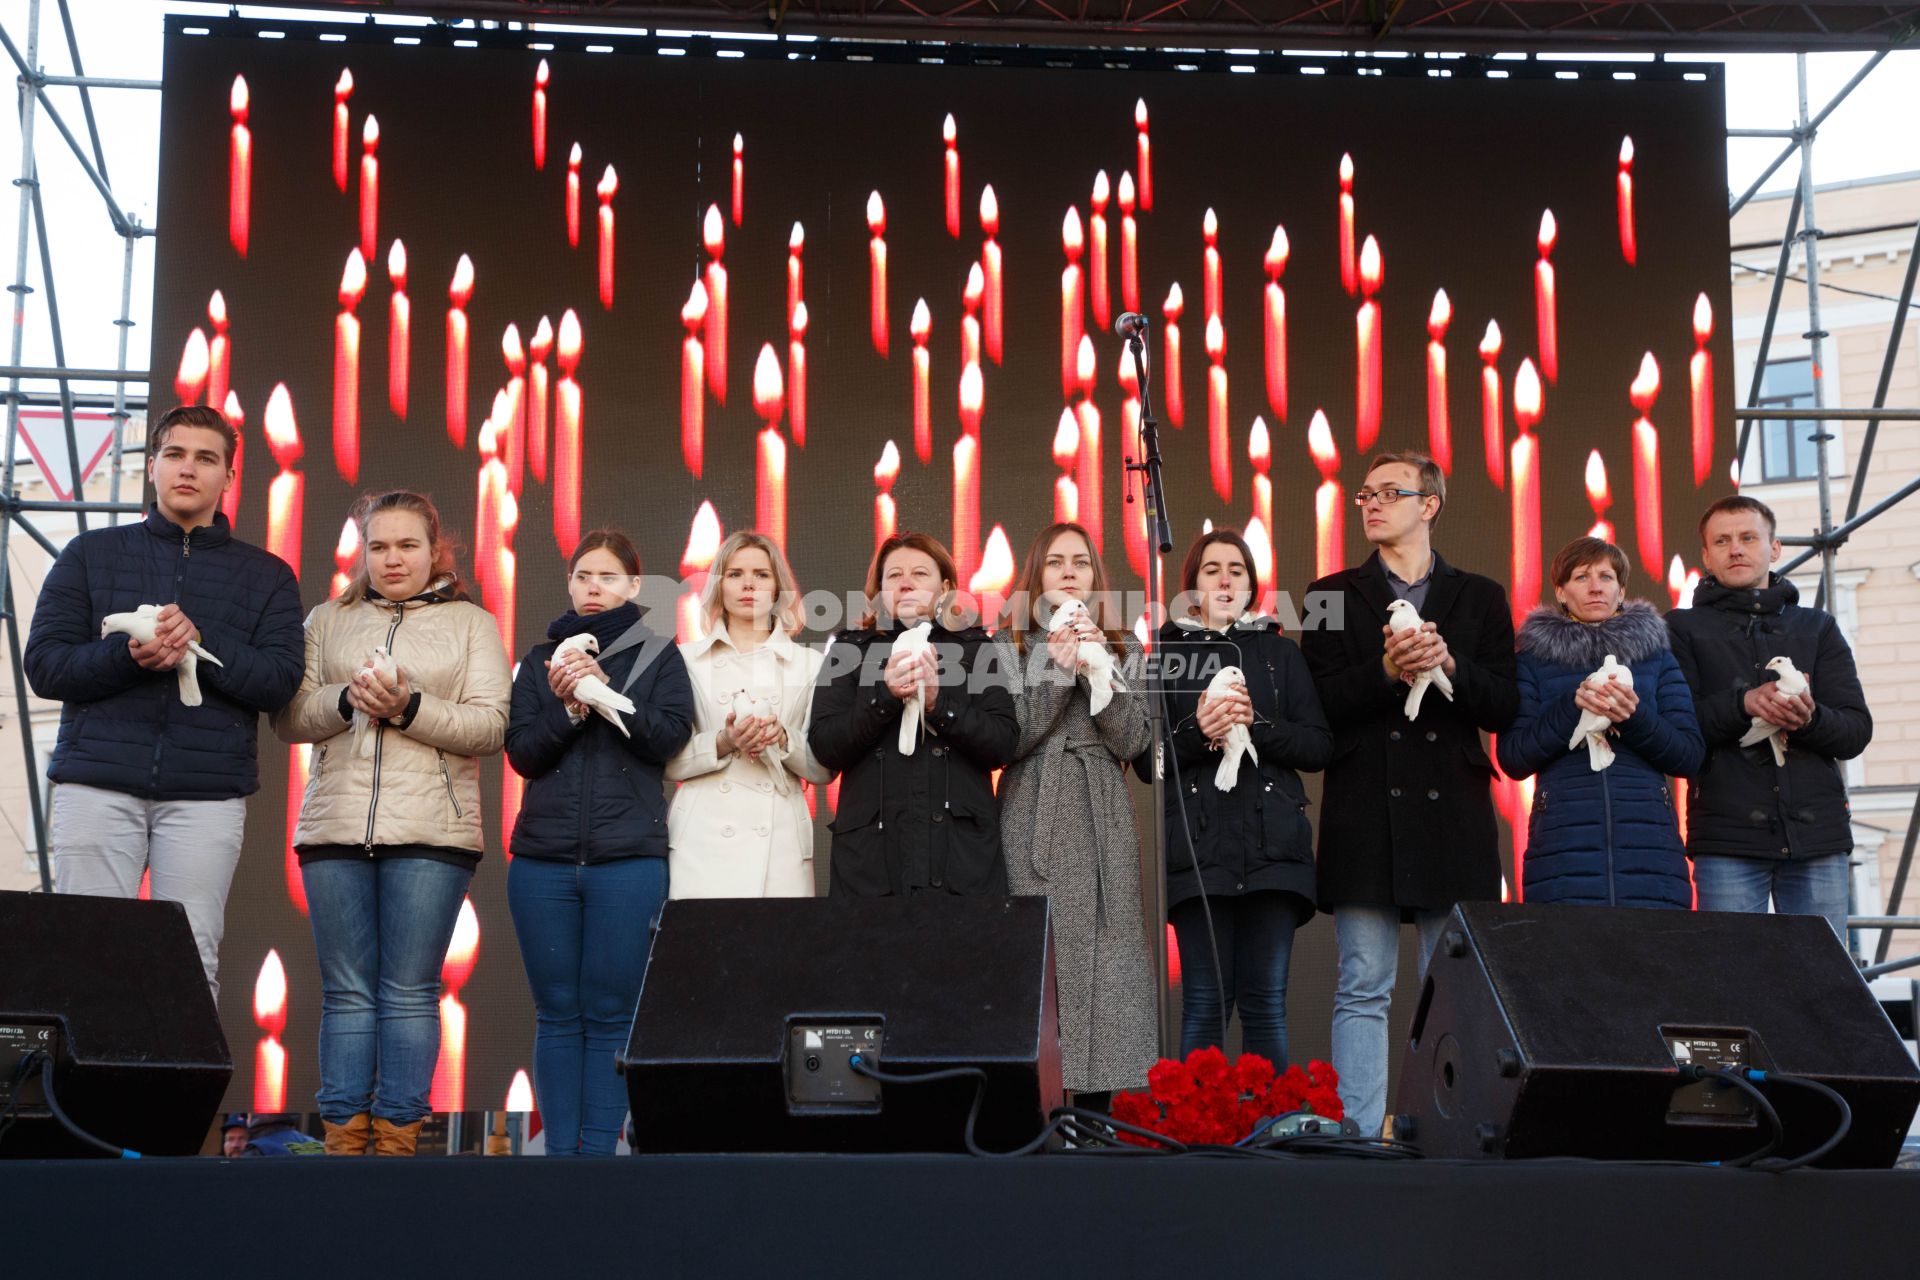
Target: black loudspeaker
(753,1008)
(113,988)
(1561,1031)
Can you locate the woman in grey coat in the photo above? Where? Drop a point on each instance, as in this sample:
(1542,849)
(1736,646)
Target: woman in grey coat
(1066,816)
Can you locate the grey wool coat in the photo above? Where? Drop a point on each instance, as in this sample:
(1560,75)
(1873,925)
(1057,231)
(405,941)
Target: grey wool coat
(1068,829)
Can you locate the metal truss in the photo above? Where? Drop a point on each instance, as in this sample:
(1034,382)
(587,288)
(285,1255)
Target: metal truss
(1597,25)
(16,513)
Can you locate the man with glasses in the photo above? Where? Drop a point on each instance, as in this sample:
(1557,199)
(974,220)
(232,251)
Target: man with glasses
(1406,815)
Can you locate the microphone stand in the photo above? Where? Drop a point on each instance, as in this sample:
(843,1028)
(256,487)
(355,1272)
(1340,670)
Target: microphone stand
(1160,540)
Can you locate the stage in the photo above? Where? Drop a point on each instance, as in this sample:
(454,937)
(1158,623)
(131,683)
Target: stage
(1059,1214)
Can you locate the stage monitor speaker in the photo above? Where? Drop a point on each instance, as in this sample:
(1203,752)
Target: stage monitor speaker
(113,988)
(1560,1031)
(753,1008)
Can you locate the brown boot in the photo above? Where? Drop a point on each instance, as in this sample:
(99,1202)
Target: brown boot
(351,1138)
(390,1139)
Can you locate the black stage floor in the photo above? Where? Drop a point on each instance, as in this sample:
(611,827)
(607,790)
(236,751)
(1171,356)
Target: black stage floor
(864,1216)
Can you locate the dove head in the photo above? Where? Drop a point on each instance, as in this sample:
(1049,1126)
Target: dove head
(1783,665)
(1066,613)
(585,642)
(1228,676)
(1402,616)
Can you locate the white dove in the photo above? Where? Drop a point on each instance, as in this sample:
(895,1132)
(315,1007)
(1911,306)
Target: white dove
(591,689)
(1402,616)
(1790,681)
(1239,742)
(140,625)
(913,640)
(1594,727)
(1095,660)
(748,707)
(384,666)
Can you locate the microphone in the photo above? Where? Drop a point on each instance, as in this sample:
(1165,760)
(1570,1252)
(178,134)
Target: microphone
(1131,324)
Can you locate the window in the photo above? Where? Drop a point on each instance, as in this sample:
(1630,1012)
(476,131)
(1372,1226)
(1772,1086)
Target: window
(1787,449)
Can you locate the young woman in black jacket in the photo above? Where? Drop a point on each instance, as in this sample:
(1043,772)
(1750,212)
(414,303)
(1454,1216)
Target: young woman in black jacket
(589,868)
(915,735)
(1248,844)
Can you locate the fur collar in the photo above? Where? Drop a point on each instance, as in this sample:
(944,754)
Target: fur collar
(1632,635)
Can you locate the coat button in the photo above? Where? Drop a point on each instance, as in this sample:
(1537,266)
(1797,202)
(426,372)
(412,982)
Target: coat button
(1239,888)
(1433,795)
(935,882)
(726,831)
(939,817)
(1432,736)
(726,786)
(1394,736)
(1395,793)
(939,751)
(760,831)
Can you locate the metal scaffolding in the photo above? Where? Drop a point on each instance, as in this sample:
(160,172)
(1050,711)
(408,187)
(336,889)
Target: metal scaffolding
(1520,25)
(16,513)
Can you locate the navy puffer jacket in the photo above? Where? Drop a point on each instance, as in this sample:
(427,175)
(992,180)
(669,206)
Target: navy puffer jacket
(123,727)
(1606,838)
(592,795)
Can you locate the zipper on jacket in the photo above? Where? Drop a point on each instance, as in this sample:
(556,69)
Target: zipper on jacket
(166,704)
(1606,802)
(586,794)
(380,738)
(447,778)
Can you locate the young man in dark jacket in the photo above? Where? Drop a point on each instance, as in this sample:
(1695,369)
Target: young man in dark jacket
(1762,825)
(1407,826)
(145,780)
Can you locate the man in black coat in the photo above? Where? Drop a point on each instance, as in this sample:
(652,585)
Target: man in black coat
(1407,825)
(1758,827)
(145,780)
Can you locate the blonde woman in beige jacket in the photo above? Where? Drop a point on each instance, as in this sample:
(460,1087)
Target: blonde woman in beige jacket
(389,831)
(739,826)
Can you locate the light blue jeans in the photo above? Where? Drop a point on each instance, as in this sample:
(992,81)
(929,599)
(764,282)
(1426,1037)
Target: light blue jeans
(381,927)
(1369,941)
(1816,887)
(585,933)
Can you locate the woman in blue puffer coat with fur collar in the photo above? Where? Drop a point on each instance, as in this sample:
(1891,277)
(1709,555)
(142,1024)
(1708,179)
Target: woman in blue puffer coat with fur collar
(1603,831)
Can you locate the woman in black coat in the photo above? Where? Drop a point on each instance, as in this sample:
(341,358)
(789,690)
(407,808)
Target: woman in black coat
(1248,846)
(915,736)
(589,848)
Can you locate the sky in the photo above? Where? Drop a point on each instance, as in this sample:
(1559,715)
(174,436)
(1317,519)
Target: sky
(123,38)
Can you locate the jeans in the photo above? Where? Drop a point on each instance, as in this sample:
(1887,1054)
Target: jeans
(1369,939)
(1254,933)
(584,936)
(1816,887)
(381,927)
(103,840)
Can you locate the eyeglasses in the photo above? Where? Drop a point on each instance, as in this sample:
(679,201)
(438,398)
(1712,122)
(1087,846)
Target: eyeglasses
(1388,497)
(605,581)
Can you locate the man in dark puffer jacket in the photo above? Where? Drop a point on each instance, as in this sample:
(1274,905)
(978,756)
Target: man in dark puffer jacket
(144,782)
(1756,828)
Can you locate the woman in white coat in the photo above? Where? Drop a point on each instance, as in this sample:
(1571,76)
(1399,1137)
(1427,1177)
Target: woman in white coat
(739,826)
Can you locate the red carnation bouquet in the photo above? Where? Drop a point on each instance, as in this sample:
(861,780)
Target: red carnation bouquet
(1204,1100)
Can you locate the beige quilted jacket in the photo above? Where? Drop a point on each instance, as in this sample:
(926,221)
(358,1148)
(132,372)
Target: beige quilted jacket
(421,784)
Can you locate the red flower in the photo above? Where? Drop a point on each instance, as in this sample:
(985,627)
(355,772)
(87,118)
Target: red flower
(1210,1070)
(1252,1073)
(1170,1082)
(1136,1109)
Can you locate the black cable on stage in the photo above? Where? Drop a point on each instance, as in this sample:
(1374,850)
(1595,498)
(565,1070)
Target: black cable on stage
(1775,1130)
(66,1122)
(1839,1134)
(1061,1116)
